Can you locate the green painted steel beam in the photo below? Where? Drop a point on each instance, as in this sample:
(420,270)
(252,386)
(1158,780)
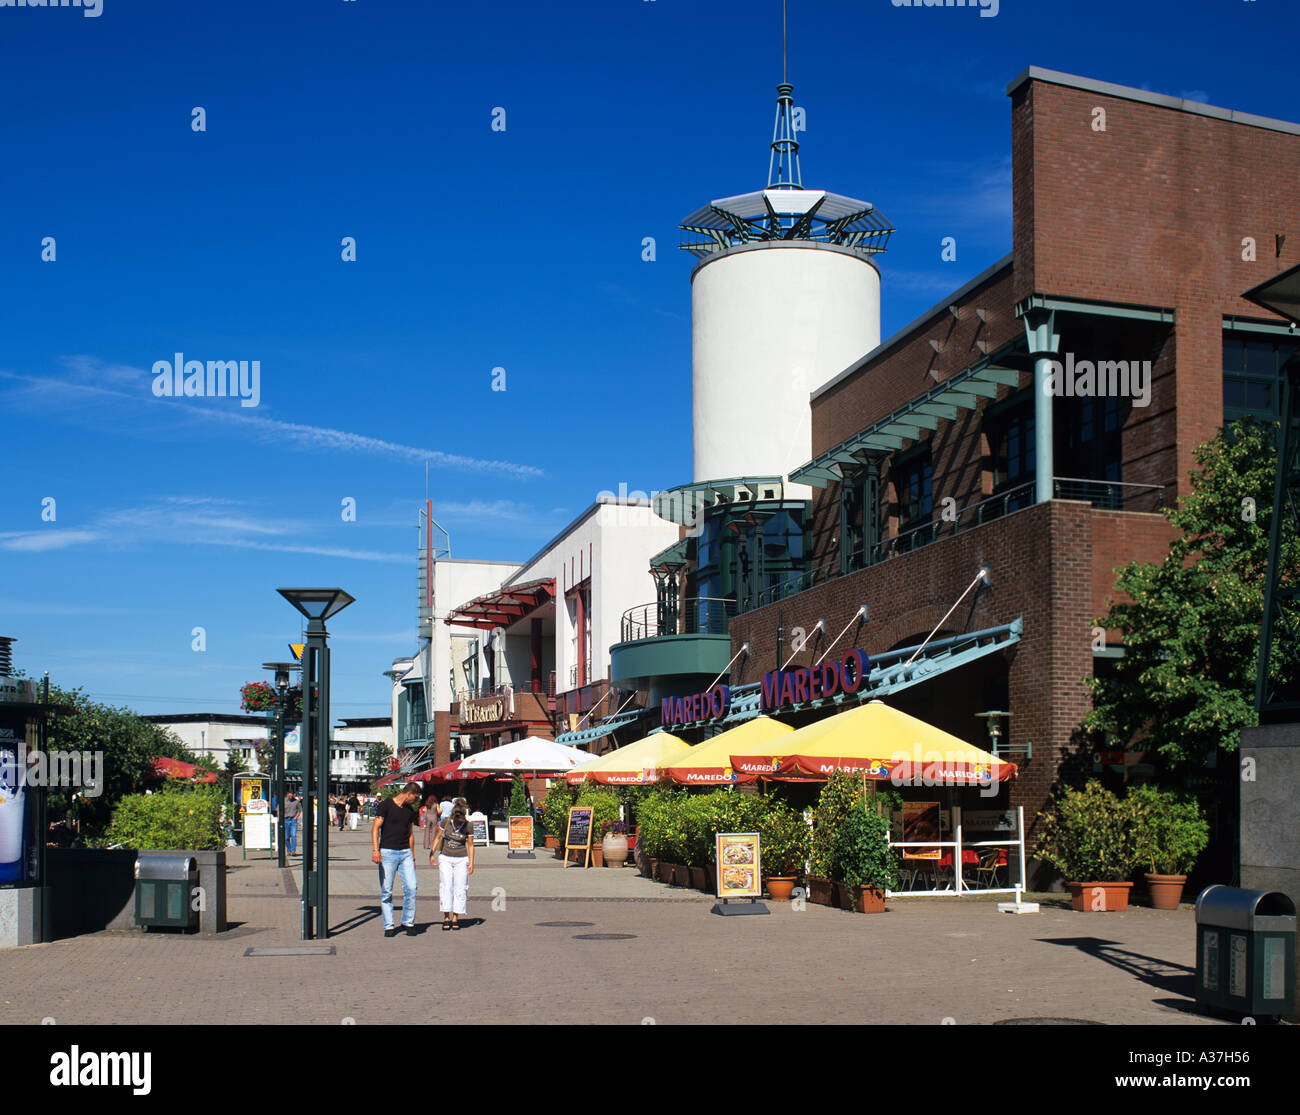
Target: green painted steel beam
(1095,309)
(958,399)
(1276,329)
(1009,377)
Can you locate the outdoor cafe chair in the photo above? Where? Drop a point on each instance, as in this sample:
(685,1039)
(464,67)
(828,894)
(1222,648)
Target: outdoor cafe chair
(986,873)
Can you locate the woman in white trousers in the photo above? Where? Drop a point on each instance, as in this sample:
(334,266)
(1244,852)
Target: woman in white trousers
(453,849)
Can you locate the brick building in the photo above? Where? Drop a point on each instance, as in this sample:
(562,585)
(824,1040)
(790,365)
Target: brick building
(957,443)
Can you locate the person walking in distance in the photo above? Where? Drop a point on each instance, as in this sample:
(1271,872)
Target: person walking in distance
(354,811)
(292,811)
(340,811)
(453,848)
(392,846)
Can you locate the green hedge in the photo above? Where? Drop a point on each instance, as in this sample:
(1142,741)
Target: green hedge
(555,809)
(679,826)
(604,803)
(185,818)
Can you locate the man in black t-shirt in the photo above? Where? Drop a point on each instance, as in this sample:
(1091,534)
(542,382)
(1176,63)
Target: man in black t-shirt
(392,843)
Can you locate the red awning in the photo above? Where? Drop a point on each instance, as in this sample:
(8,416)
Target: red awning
(174,768)
(504,606)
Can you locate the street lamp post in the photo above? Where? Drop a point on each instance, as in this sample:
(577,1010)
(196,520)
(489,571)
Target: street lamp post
(317,605)
(281,670)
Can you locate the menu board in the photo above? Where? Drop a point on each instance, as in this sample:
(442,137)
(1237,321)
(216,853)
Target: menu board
(739,867)
(579,827)
(478,822)
(521,834)
(921,822)
(249,787)
(257,830)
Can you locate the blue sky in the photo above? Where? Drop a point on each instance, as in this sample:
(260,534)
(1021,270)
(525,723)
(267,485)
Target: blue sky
(476,249)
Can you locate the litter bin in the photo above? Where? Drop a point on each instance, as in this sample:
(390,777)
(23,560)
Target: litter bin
(164,885)
(1245,950)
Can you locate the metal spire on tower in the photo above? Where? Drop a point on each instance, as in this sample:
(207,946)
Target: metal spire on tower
(783,167)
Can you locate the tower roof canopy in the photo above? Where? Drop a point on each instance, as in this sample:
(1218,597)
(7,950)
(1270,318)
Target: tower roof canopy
(787,214)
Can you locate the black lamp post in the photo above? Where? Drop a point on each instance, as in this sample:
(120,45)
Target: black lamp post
(1278,700)
(317,605)
(281,670)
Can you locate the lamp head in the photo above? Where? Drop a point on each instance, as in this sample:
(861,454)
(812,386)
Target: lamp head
(317,604)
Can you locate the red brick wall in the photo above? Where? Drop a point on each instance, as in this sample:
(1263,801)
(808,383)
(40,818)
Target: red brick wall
(1153,211)
(1042,562)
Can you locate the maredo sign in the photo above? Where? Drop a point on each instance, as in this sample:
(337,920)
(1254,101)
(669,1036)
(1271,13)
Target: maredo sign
(810,683)
(701,706)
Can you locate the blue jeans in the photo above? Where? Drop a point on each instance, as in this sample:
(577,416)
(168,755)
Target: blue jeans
(291,833)
(393,861)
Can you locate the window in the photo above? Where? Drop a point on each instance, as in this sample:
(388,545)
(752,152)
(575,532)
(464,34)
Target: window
(859,520)
(913,485)
(1252,371)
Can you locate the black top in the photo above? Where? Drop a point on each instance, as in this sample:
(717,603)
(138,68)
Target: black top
(395,831)
(354,804)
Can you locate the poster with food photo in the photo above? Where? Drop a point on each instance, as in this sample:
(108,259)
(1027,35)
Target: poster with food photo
(738,865)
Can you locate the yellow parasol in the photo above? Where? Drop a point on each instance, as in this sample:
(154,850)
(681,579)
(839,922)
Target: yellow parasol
(633,765)
(709,763)
(875,741)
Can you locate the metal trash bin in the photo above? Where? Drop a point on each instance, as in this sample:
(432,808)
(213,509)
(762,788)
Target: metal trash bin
(1245,950)
(164,886)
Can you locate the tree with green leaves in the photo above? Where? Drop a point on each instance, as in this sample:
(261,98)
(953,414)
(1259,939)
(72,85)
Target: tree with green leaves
(377,760)
(1186,684)
(129,743)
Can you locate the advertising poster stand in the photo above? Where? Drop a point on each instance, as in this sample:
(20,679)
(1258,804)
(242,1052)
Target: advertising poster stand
(739,874)
(521,838)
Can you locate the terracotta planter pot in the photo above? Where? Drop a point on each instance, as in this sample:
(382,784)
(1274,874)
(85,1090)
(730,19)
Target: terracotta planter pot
(552,842)
(597,856)
(700,878)
(559,852)
(821,891)
(1166,891)
(651,867)
(1099,897)
(664,871)
(614,849)
(868,900)
(780,887)
(681,875)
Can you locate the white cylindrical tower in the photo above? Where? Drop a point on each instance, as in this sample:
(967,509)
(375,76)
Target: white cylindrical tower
(770,323)
(785,297)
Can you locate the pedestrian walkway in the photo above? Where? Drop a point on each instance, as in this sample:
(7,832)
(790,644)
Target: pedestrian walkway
(547,944)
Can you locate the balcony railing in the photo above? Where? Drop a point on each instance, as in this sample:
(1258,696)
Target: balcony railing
(417,731)
(1104,495)
(700,615)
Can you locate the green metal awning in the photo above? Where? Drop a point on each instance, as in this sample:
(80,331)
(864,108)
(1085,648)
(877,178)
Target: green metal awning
(586,735)
(889,672)
(685,504)
(674,557)
(958,392)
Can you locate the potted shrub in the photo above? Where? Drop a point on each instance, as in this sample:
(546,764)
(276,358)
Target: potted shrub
(863,862)
(613,842)
(840,793)
(783,847)
(555,815)
(1170,833)
(1089,836)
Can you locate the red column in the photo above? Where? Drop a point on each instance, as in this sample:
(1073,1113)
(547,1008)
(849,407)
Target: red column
(535,655)
(582,639)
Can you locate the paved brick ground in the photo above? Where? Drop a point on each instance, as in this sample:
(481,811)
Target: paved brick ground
(921,962)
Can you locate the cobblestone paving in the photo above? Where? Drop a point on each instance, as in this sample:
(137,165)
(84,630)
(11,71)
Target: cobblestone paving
(924,961)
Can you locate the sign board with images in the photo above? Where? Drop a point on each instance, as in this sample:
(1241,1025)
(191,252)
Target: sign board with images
(521,834)
(249,787)
(988,820)
(578,833)
(920,823)
(739,866)
(478,822)
(18,813)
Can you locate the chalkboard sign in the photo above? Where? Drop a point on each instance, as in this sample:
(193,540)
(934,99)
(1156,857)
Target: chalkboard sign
(478,822)
(579,833)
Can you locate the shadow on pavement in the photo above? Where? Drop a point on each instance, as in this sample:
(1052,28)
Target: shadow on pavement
(1175,979)
(363,916)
